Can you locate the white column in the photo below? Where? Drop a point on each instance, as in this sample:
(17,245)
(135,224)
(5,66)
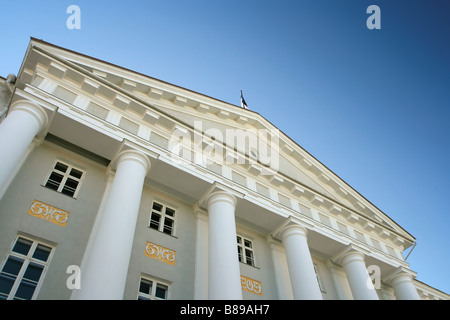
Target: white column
(281,270)
(224,273)
(301,268)
(403,286)
(201,256)
(358,277)
(24,121)
(340,281)
(105,272)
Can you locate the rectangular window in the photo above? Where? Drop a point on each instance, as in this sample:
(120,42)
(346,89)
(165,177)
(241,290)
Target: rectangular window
(150,289)
(162,218)
(22,271)
(245,251)
(64,179)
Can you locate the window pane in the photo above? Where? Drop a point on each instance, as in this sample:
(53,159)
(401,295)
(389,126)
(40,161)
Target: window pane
(154,222)
(33,272)
(71,183)
(145,286)
(61,167)
(54,181)
(6,283)
(22,246)
(68,192)
(239,253)
(70,187)
(42,252)
(12,266)
(157,206)
(161,291)
(25,290)
(248,243)
(76,173)
(168,226)
(170,212)
(249,257)
(238,239)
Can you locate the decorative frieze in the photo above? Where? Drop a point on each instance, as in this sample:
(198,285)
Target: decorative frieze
(251,285)
(42,94)
(49,213)
(160,253)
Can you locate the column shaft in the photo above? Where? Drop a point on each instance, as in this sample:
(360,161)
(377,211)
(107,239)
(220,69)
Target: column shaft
(24,121)
(104,275)
(281,271)
(301,268)
(224,273)
(201,257)
(404,287)
(358,277)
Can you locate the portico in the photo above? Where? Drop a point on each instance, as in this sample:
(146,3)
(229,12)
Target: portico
(225,207)
(298,220)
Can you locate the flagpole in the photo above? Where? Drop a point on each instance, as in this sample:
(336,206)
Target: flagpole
(243,103)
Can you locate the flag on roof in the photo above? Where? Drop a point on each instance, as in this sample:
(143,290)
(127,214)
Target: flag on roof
(243,103)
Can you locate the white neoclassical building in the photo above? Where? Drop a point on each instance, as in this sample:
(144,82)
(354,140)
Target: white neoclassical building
(116,185)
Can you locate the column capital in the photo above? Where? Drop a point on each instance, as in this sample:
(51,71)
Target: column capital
(274,244)
(401,281)
(33,109)
(134,155)
(293,229)
(200,213)
(216,192)
(399,275)
(292,225)
(350,253)
(221,195)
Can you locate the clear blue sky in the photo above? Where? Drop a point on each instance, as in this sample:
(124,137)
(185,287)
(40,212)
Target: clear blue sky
(372,105)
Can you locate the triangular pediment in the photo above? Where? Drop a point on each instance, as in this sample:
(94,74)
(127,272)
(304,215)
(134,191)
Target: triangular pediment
(165,107)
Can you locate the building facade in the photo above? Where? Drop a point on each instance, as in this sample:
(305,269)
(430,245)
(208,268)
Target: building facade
(116,185)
